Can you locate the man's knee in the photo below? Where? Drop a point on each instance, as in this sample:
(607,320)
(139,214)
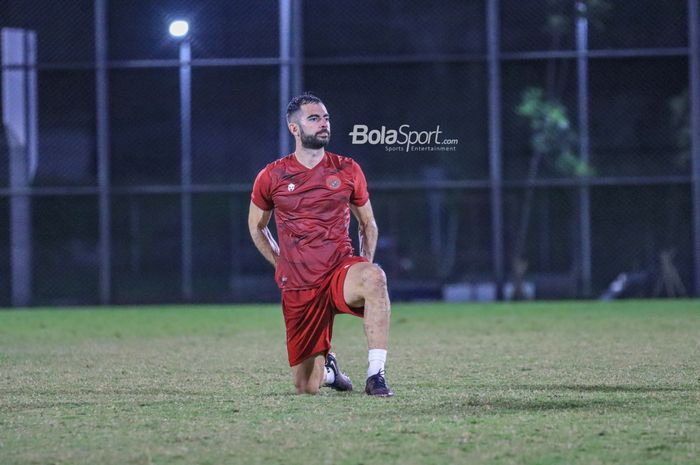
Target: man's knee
(306,387)
(307,375)
(374,279)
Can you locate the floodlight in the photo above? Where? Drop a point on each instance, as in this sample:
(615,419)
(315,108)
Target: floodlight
(179,28)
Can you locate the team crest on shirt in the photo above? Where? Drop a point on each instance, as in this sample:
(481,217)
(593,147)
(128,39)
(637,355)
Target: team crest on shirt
(291,187)
(333,182)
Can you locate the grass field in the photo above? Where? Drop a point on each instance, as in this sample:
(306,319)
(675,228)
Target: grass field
(539,383)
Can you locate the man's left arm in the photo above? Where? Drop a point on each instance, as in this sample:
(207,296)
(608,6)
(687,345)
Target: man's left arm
(367,229)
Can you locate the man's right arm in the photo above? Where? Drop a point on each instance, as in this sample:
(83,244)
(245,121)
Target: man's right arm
(258,220)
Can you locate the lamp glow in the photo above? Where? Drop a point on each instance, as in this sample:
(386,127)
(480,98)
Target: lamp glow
(179,28)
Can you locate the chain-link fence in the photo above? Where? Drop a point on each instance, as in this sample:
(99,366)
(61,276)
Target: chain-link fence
(560,163)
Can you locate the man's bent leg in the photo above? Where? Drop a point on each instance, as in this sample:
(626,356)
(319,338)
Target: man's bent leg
(310,374)
(365,286)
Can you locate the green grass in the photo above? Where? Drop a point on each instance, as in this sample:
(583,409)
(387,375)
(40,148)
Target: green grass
(586,383)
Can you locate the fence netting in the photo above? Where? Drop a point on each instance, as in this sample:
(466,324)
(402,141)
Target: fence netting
(414,68)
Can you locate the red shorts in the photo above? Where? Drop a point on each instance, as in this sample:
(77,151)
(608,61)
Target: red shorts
(309,313)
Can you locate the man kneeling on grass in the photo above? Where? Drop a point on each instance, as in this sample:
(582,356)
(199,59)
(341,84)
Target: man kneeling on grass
(312,192)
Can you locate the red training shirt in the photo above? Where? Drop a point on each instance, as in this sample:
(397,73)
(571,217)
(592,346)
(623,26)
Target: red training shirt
(312,213)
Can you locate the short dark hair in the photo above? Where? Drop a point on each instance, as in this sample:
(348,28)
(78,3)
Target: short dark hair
(296,103)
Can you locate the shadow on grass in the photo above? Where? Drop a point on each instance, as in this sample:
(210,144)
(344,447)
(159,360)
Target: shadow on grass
(131,398)
(147,391)
(505,405)
(605,388)
(128,404)
(552,397)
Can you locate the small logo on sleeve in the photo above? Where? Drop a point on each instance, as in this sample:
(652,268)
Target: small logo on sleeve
(291,187)
(333,182)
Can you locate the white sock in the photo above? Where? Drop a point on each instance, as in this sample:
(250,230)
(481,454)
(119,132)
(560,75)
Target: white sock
(377,359)
(330,376)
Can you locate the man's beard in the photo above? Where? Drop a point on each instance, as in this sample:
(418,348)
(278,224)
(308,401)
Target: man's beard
(311,141)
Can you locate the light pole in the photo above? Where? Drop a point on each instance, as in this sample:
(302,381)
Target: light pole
(179,29)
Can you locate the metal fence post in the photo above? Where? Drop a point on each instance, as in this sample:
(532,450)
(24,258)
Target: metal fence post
(186,166)
(285,22)
(584,194)
(19,118)
(297,37)
(694,76)
(103,181)
(494,83)
(291,63)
